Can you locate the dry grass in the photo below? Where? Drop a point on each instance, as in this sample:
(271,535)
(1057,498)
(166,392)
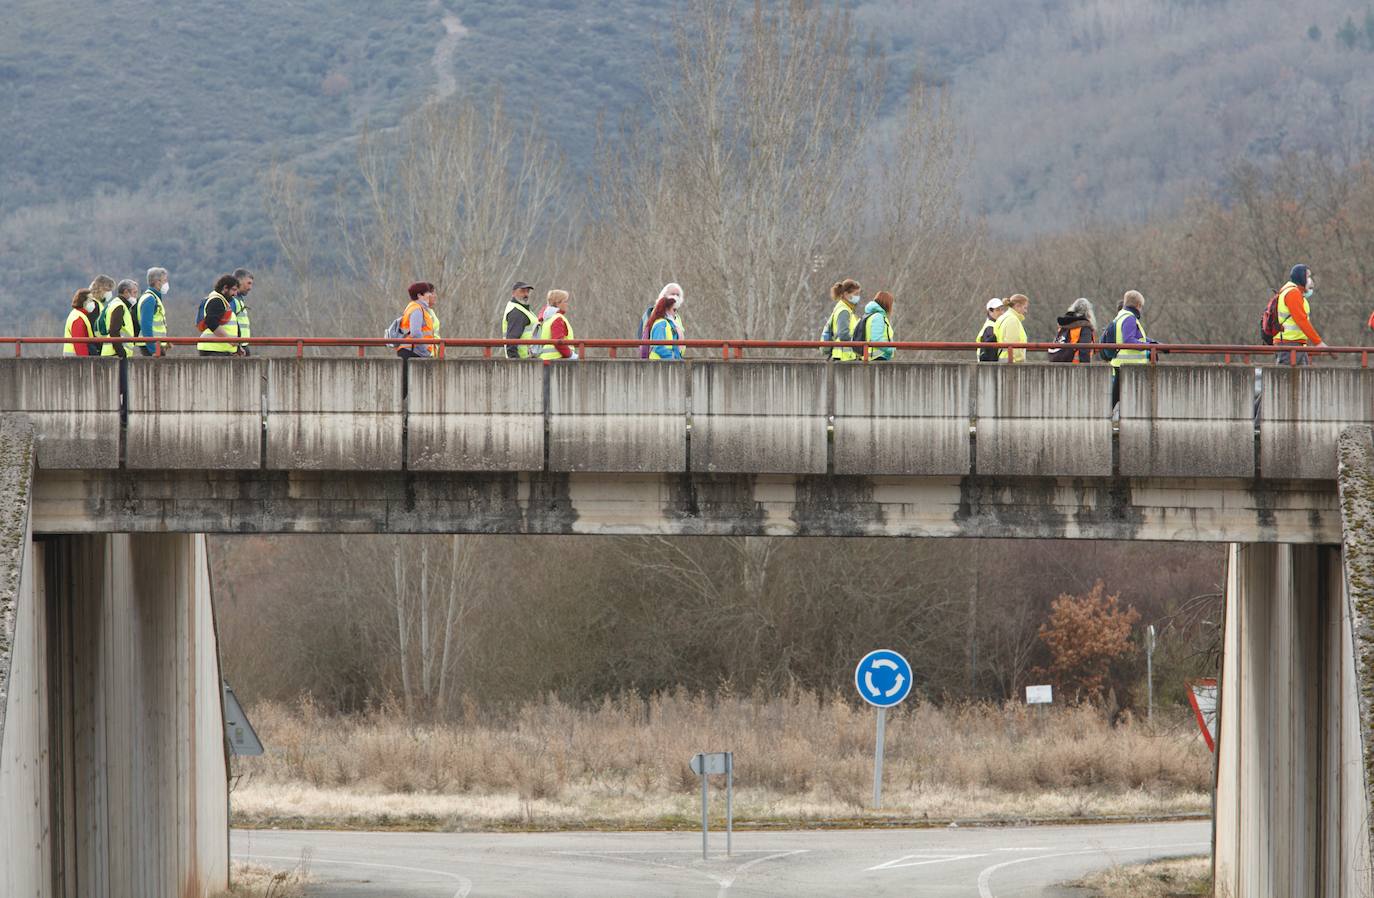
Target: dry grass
(799,759)
(249,881)
(1183,878)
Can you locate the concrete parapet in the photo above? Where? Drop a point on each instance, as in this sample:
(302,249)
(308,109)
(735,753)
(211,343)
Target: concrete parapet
(902,419)
(73,405)
(1049,420)
(1187,421)
(760,417)
(195,413)
(1303,411)
(334,414)
(618,416)
(475,415)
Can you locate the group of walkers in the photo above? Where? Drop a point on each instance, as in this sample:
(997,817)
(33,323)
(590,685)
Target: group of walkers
(110,309)
(856,326)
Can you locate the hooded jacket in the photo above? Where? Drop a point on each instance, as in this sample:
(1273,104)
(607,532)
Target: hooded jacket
(1073,329)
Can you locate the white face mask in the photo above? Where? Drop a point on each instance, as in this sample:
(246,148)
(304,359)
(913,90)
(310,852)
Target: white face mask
(1311,285)
(89,306)
(165,289)
(108,296)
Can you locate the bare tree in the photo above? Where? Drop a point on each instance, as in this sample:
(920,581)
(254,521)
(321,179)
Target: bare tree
(745,188)
(459,195)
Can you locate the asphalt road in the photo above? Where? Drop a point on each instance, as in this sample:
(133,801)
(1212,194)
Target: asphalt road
(983,863)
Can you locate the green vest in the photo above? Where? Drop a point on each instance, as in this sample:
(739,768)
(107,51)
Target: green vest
(230,325)
(532,322)
(240,309)
(549,350)
(1129,356)
(126,327)
(842,353)
(98,318)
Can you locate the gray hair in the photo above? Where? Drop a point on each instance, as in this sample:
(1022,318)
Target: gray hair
(156,274)
(241,273)
(126,284)
(1084,309)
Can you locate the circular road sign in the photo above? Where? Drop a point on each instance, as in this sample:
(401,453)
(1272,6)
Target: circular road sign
(883,678)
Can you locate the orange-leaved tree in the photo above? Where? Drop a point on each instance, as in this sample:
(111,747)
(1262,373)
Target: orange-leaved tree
(1085,635)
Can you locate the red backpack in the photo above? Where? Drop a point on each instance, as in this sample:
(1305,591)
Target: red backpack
(1269,321)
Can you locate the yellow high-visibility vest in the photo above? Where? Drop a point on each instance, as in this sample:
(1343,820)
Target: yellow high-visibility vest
(1289,331)
(527,333)
(549,350)
(842,353)
(230,325)
(1129,356)
(126,329)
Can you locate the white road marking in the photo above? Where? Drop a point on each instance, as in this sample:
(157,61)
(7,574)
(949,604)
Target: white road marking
(985,877)
(906,860)
(730,880)
(464,884)
(725,882)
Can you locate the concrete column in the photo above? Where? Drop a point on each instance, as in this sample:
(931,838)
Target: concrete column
(1284,809)
(113,780)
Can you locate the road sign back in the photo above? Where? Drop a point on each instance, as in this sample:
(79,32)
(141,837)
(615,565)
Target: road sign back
(883,678)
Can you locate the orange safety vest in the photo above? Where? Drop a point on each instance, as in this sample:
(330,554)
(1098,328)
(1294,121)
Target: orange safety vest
(431,326)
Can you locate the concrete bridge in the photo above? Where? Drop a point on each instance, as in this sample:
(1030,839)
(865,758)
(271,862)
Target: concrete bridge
(111,761)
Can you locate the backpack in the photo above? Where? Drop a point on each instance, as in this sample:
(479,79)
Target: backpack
(200,316)
(393,332)
(1108,336)
(1269,321)
(989,335)
(860,332)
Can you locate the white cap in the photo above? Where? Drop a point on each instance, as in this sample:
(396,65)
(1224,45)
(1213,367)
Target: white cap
(994,303)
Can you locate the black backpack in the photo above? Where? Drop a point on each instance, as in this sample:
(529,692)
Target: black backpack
(1108,336)
(989,335)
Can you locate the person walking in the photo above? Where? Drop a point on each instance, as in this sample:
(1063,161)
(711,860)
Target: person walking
(218,323)
(518,321)
(80,323)
(151,314)
(1295,322)
(119,320)
(419,321)
(555,329)
(1127,329)
(102,291)
(242,315)
(1077,325)
(1010,330)
(663,325)
(876,327)
(987,331)
(839,327)
(670,289)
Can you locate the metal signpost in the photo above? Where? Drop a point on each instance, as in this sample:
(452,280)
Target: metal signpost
(1150,671)
(883,678)
(717,762)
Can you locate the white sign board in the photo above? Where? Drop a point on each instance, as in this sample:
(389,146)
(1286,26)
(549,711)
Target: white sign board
(1039,695)
(1202,695)
(713,762)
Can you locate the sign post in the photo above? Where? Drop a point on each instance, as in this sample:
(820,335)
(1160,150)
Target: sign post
(704,765)
(1150,671)
(883,678)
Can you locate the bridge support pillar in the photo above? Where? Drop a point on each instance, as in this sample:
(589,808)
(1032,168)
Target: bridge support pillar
(1292,814)
(113,780)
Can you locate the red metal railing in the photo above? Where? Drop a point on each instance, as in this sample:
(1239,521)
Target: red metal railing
(727,349)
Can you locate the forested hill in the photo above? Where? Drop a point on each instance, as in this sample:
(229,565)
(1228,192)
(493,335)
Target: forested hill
(139,131)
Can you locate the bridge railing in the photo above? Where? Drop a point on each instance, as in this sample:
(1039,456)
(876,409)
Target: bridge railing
(1237,353)
(752,416)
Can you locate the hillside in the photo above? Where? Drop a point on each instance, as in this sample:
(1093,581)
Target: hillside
(139,133)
